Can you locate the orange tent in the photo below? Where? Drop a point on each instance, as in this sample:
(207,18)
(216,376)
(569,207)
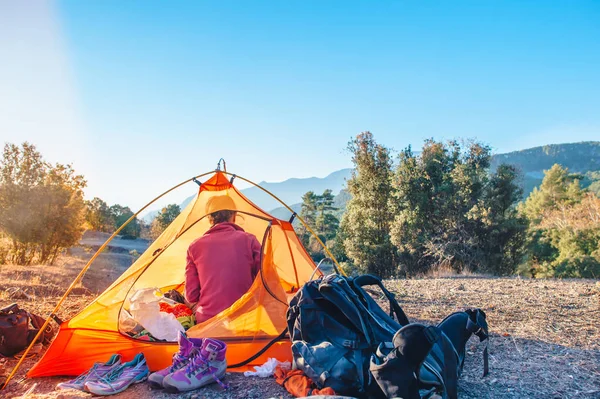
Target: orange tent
(253,327)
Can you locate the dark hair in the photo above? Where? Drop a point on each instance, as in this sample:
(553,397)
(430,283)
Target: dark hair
(220,216)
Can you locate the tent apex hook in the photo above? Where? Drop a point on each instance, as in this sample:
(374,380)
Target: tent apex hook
(224,165)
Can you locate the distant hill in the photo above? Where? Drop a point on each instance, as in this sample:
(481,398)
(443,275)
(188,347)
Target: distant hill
(289,191)
(583,158)
(339,202)
(578,157)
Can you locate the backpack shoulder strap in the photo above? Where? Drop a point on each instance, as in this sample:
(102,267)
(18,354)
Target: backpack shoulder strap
(37,322)
(450,367)
(477,324)
(395,309)
(336,290)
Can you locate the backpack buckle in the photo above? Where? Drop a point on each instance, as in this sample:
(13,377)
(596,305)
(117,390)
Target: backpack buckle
(347,343)
(432,334)
(476,329)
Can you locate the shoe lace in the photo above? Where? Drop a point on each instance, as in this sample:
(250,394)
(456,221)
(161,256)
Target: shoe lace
(199,363)
(178,360)
(83,376)
(113,374)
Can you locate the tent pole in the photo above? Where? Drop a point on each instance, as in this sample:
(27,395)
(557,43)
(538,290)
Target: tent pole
(82,273)
(89,263)
(298,216)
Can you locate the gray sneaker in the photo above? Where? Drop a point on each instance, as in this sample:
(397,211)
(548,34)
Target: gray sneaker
(205,367)
(120,378)
(187,348)
(97,371)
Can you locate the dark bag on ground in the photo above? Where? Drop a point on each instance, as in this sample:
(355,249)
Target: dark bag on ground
(341,338)
(15,334)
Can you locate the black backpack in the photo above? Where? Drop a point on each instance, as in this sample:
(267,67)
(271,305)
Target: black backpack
(342,339)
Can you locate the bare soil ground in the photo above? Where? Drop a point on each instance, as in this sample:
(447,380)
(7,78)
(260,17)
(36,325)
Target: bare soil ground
(94,239)
(545,333)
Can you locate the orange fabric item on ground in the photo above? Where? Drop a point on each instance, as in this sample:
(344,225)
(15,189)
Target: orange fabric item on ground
(298,384)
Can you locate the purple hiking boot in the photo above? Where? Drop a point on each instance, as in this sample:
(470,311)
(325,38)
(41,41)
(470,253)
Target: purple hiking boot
(187,347)
(206,366)
(97,371)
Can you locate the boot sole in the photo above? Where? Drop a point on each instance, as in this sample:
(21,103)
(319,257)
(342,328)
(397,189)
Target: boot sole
(120,390)
(172,389)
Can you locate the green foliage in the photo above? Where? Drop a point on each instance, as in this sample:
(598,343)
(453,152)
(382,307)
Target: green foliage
(367,221)
(98,216)
(41,205)
(564,239)
(592,182)
(558,188)
(318,212)
(120,215)
(166,216)
(449,211)
(582,156)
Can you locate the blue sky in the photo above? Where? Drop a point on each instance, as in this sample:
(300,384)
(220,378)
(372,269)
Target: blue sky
(140,95)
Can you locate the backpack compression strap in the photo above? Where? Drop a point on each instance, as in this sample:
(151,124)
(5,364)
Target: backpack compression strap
(477,325)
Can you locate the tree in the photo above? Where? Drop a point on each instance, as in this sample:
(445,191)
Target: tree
(22,172)
(308,211)
(558,187)
(325,222)
(504,233)
(317,213)
(120,214)
(367,221)
(41,205)
(564,237)
(450,212)
(98,216)
(166,216)
(64,211)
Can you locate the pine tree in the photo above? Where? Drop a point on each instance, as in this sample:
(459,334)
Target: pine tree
(317,213)
(367,221)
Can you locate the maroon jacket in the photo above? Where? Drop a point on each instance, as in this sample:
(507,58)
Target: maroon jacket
(221,266)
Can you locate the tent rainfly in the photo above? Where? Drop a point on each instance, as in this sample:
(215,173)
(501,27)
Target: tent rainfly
(254,327)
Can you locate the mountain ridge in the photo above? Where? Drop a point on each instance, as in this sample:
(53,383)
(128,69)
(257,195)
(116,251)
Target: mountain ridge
(582,157)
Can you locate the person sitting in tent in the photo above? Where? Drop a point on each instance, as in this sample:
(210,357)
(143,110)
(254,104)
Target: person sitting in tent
(222,264)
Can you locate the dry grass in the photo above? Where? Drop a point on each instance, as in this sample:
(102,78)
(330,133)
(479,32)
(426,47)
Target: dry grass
(545,333)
